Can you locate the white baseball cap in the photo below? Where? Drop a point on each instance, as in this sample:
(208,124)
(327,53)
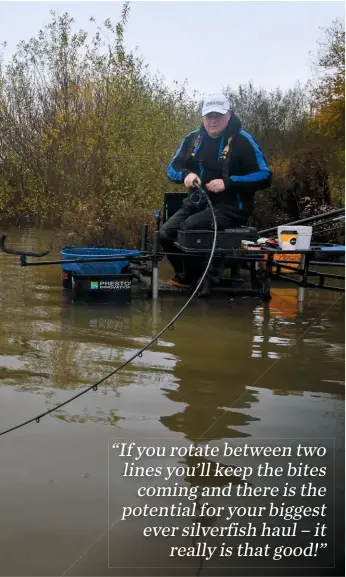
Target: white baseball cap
(215,103)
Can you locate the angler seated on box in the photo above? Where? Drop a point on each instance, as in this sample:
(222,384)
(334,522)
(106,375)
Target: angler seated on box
(230,165)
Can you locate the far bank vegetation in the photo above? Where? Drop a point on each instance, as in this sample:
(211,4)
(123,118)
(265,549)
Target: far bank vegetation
(86,134)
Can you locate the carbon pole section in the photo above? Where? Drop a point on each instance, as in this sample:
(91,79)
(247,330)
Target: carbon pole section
(24,254)
(305,220)
(170,325)
(138,258)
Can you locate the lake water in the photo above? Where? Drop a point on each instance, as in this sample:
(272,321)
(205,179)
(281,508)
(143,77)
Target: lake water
(231,370)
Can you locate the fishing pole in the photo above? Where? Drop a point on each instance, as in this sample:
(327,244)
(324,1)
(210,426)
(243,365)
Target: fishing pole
(322,216)
(169,326)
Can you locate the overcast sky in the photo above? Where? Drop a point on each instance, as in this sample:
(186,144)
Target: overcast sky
(211,44)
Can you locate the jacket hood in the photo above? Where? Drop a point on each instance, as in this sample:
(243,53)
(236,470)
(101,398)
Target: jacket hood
(234,124)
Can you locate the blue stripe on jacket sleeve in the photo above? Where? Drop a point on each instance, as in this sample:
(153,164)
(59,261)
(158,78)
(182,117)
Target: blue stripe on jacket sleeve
(263,172)
(171,173)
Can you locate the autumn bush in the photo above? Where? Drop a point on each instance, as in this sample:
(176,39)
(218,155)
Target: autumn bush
(86,134)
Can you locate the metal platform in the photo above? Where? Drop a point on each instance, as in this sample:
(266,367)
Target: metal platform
(264,264)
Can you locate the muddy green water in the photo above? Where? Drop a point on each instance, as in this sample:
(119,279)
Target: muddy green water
(231,370)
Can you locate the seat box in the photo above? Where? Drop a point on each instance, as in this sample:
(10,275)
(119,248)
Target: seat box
(232,237)
(195,239)
(226,239)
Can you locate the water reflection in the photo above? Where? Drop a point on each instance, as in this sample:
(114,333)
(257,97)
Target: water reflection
(228,396)
(229,370)
(221,387)
(206,368)
(276,324)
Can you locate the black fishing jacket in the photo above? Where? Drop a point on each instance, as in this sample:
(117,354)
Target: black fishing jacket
(235,157)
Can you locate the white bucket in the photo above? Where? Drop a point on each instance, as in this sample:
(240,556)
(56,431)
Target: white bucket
(292,237)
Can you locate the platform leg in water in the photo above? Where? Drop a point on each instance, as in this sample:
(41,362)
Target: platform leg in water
(155,267)
(266,295)
(302,279)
